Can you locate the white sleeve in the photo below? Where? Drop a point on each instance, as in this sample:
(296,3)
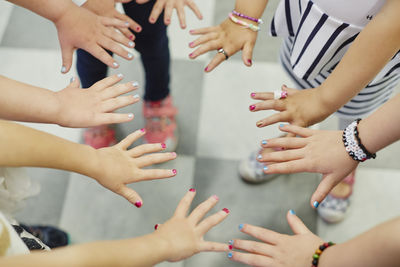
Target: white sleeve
(79,2)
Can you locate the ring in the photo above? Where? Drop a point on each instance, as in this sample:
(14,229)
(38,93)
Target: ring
(222,51)
(280,94)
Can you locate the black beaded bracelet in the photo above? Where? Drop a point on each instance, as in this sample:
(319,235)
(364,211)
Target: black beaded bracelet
(353,145)
(364,149)
(318,253)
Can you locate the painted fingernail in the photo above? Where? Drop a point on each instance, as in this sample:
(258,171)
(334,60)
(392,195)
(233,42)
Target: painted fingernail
(264,142)
(191,31)
(206,69)
(152,20)
(190,44)
(252,107)
(226,210)
(174,171)
(192,190)
(316,204)
(138,29)
(230,242)
(63,69)
(230,247)
(259,124)
(130,115)
(120,75)
(259,156)
(156,226)
(249,61)
(241,226)
(216,197)
(143,130)
(230,255)
(265,168)
(131,37)
(253,94)
(191,55)
(173,154)
(131,44)
(126,23)
(72,80)
(136,96)
(281,125)
(130,56)
(138,204)
(135,84)
(115,64)
(292,212)
(163,145)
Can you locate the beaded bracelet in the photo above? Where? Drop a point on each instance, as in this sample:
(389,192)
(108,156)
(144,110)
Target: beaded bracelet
(259,21)
(353,145)
(318,253)
(243,23)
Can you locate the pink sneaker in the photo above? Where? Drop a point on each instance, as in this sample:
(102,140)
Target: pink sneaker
(100,136)
(160,122)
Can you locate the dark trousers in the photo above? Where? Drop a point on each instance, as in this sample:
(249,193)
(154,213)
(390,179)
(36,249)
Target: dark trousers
(151,43)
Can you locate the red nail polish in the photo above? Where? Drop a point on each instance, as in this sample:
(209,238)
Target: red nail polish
(230,247)
(138,204)
(156,226)
(252,107)
(174,171)
(249,61)
(192,190)
(226,210)
(143,130)
(253,94)
(138,28)
(206,69)
(131,37)
(163,145)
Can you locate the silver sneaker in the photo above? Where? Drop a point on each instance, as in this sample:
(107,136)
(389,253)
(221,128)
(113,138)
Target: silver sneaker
(252,171)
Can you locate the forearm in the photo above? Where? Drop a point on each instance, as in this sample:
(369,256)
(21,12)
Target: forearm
(23,102)
(379,246)
(255,9)
(369,53)
(143,251)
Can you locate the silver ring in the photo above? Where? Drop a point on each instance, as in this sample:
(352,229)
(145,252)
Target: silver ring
(222,51)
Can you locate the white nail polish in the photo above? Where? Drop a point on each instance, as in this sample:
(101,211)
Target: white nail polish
(63,69)
(136,96)
(131,44)
(130,115)
(115,64)
(120,75)
(135,84)
(130,55)
(72,80)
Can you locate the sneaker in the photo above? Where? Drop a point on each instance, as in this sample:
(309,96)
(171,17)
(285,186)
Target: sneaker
(100,136)
(160,123)
(49,235)
(334,207)
(252,171)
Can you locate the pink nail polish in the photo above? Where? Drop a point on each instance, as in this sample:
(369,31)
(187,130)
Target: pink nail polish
(138,204)
(191,55)
(206,69)
(216,197)
(192,190)
(249,61)
(156,226)
(163,145)
(230,247)
(174,171)
(253,94)
(252,107)
(191,31)
(173,154)
(143,130)
(190,44)
(226,210)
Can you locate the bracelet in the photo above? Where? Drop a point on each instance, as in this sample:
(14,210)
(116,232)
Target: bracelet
(318,253)
(353,144)
(243,23)
(259,21)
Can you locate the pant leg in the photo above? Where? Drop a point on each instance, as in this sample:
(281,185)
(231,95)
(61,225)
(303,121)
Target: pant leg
(90,69)
(152,44)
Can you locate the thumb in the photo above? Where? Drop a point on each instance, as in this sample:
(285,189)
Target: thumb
(130,195)
(67,54)
(74,82)
(296,224)
(328,182)
(247,54)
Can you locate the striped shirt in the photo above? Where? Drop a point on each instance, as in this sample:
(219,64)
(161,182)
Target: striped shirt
(315,42)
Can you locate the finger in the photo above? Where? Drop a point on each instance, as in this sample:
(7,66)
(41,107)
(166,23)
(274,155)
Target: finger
(155,158)
(201,210)
(251,259)
(157,10)
(113,46)
(247,54)
(294,166)
(128,34)
(268,105)
(297,225)
(153,174)
(142,1)
(169,7)
(130,195)
(297,130)
(203,30)
(209,46)
(215,61)
(98,52)
(133,25)
(282,156)
(112,104)
(67,52)
(291,91)
(74,82)
(260,233)
(328,182)
(130,139)
(119,89)
(113,22)
(213,246)
(119,38)
(192,5)
(111,118)
(277,117)
(107,82)
(145,149)
(203,39)
(284,142)
(262,96)
(181,16)
(123,1)
(212,221)
(184,204)
(254,247)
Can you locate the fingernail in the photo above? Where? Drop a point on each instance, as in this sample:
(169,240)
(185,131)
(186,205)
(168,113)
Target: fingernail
(249,61)
(190,44)
(316,204)
(120,75)
(241,226)
(206,69)
(135,84)
(191,31)
(143,130)
(284,85)
(174,171)
(253,94)
(230,242)
(126,23)
(252,107)
(152,20)
(281,125)
(130,56)
(156,226)
(131,44)
(265,168)
(225,210)
(216,197)
(130,115)
(259,156)
(138,204)
(230,255)
(192,190)
(115,64)
(138,28)
(173,154)
(259,124)
(72,80)
(230,247)
(163,145)
(131,37)
(292,212)
(264,142)
(191,55)
(63,69)
(136,96)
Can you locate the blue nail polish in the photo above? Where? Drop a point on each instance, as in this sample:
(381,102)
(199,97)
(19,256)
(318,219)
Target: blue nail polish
(265,168)
(230,242)
(259,157)
(264,142)
(115,64)
(316,204)
(63,69)
(292,212)
(136,96)
(131,44)
(230,254)
(130,55)
(130,115)
(281,125)
(72,80)
(135,84)
(120,75)
(241,226)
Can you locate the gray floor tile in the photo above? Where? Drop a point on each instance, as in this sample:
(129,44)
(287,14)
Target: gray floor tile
(263,205)
(27,30)
(46,207)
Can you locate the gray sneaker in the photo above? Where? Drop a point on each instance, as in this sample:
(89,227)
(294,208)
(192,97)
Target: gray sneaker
(252,171)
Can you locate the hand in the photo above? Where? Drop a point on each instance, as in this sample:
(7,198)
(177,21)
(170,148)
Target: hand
(301,107)
(317,151)
(106,8)
(94,106)
(185,234)
(277,250)
(168,6)
(229,36)
(80,28)
(118,166)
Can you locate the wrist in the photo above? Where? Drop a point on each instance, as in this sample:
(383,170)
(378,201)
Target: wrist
(162,246)
(66,9)
(326,97)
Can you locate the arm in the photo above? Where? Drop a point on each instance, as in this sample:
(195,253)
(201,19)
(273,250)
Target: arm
(113,167)
(229,36)
(177,239)
(377,247)
(71,107)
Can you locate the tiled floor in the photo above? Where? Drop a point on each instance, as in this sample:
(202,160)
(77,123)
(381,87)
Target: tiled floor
(216,131)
